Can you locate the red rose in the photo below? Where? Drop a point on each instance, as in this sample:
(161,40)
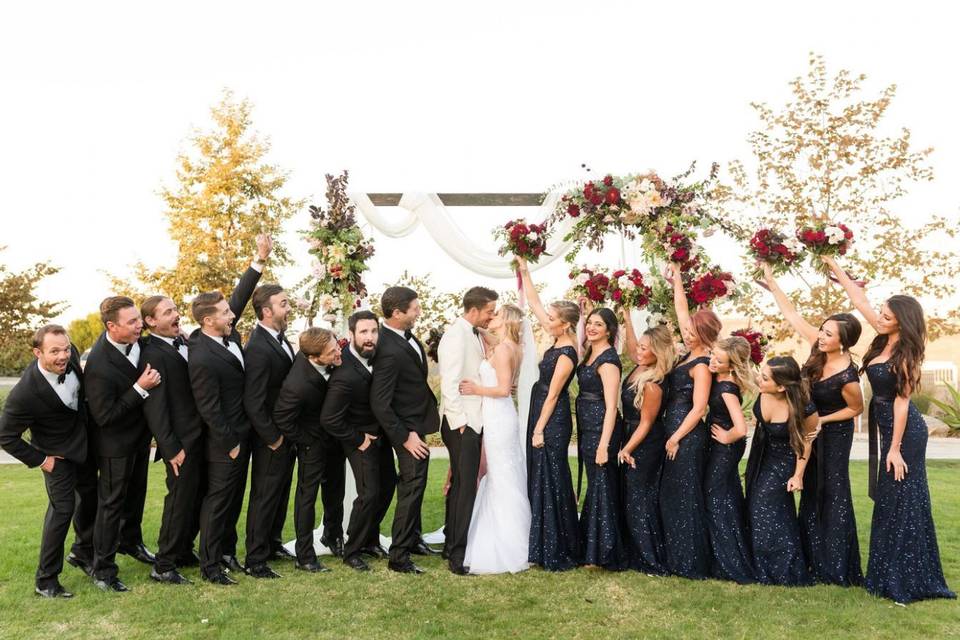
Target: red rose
(617,295)
(819,236)
(679,255)
(618,273)
(613,196)
(522,247)
(537,251)
(608,181)
(596,199)
(573,211)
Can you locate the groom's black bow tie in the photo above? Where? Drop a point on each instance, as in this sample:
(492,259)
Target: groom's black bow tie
(408,334)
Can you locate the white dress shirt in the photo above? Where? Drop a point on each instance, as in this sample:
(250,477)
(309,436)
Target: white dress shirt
(276,336)
(68,391)
(231,346)
(411,341)
(182,349)
(322,370)
(133,357)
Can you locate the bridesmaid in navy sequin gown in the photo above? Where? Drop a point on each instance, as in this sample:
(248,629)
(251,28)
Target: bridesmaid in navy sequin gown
(642,456)
(682,510)
(599,435)
(785,419)
(554,529)
(723,495)
(904,562)
(828,526)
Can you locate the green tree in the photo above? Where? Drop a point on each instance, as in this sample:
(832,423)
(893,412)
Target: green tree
(828,154)
(226,194)
(21,313)
(85,331)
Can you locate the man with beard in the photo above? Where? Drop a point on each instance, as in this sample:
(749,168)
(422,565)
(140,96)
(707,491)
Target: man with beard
(348,417)
(216,366)
(48,400)
(117,383)
(320,459)
(406,408)
(269,357)
(172,417)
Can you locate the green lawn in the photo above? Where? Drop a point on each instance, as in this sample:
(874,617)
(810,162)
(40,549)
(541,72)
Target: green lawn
(577,604)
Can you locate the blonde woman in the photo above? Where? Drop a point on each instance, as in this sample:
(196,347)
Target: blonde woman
(498,539)
(726,515)
(642,395)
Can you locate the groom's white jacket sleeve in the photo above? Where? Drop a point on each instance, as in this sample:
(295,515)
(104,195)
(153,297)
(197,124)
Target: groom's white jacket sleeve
(459,360)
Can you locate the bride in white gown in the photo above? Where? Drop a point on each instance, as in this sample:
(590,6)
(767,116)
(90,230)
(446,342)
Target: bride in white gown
(500,527)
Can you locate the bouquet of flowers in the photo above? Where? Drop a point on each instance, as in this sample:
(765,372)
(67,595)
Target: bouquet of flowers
(590,284)
(759,343)
(709,287)
(680,248)
(824,238)
(523,240)
(776,249)
(340,254)
(626,288)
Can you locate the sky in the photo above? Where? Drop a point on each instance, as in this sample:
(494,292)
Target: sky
(99,98)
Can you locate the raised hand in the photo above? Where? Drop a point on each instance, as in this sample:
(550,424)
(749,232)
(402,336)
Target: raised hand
(264,246)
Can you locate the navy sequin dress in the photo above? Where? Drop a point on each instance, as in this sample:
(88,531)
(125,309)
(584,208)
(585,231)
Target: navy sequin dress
(682,512)
(828,527)
(904,560)
(600,541)
(771,510)
(642,531)
(554,530)
(723,494)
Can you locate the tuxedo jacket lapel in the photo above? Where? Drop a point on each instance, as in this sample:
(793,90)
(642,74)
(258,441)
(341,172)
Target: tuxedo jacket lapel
(43,389)
(273,342)
(223,353)
(120,361)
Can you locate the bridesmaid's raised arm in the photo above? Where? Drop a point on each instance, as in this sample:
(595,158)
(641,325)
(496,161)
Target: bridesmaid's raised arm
(797,321)
(533,298)
(628,330)
(680,298)
(856,293)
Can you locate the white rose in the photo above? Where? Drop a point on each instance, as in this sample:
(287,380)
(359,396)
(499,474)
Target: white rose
(834,235)
(793,245)
(582,279)
(655,320)
(626,283)
(318,269)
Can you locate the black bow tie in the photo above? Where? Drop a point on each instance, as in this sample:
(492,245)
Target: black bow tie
(330,368)
(408,334)
(179,342)
(63,376)
(226,341)
(281,338)
(128,349)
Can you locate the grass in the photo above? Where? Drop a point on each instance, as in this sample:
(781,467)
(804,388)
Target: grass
(585,603)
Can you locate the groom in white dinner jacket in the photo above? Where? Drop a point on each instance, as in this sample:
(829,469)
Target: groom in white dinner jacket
(459,355)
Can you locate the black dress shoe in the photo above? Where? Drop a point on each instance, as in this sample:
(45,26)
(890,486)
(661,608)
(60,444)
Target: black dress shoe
(139,553)
(169,577)
(113,584)
(356,562)
(458,569)
(56,591)
(282,554)
(404,567)
(423,549)
(313,567)
(262,571)
(335,545)
(190,559)
(83,565)
(444,554)
(220,578)
(376,552)
(230,563)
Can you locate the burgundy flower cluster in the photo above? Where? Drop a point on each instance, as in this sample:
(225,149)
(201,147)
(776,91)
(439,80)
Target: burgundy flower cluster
(593,285)
(758,343)
(710,286)
(523,240)
(628,289)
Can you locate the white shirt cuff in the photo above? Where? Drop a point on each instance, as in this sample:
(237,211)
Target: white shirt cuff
(140,390)
(256,266)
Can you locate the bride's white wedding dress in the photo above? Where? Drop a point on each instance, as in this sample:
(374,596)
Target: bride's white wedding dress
(500,527)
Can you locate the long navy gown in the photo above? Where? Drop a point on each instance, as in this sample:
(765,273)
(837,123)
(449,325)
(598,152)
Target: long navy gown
(682,510)
(771,511)
(904,562)
(642,531)
(723,494)
(600,541)
(828,527)
(554,530)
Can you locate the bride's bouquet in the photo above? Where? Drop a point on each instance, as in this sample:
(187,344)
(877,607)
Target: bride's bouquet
(523,240)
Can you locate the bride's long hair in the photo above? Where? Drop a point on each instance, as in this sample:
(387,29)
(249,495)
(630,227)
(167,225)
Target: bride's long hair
(512,317)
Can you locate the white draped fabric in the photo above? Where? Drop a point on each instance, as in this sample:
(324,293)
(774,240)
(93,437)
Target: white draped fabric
(428,210)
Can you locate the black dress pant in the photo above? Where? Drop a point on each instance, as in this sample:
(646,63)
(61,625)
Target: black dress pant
(61,484)
(131,527)
(270,470)
(376,478)
(179,510)
(85,513)
(320,469)
(276,531)
(464,450)
(116,477)
(406,515)
(226,479)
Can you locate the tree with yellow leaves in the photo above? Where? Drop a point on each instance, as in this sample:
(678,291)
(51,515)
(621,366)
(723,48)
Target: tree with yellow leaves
(225,196)
(827,155)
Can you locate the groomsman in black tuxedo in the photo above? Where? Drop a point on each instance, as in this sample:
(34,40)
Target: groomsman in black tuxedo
(49,401)
(216,366)
(269,357)
(175,423)
(116,384)
(406,408)
(348,417)
(320,459)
